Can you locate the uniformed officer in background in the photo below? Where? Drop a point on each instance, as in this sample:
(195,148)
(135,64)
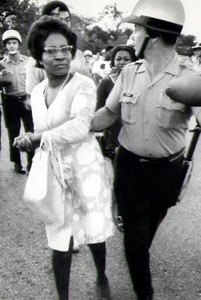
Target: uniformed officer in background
(148,166)
(14,96)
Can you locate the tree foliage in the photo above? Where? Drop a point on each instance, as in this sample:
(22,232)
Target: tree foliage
(96,34)
(110,18)
(93,33)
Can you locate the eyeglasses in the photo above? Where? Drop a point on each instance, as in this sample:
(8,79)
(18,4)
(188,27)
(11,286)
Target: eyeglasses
(53,51)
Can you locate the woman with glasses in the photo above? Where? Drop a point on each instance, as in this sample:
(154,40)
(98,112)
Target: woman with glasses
(34,75)
(63,106)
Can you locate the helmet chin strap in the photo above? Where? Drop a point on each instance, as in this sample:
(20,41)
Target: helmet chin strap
(144,44)
(12,52)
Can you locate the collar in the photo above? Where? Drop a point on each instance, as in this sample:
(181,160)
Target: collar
(172,68)
(8,60)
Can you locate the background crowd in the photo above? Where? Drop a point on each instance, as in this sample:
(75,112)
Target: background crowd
(47,92)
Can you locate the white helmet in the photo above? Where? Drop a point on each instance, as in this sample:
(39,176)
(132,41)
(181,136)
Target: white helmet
(11,34)
(161,15)
(88,52)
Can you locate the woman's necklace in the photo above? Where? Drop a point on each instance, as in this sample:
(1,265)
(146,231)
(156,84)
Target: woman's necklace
(50,93)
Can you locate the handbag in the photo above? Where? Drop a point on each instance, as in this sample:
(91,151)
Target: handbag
(106,150)
(44,193)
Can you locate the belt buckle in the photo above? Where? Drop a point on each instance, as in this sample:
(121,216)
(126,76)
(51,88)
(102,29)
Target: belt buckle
(143,161)
(21,98)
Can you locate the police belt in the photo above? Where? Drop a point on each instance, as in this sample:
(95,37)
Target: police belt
(15,98)
(172,159)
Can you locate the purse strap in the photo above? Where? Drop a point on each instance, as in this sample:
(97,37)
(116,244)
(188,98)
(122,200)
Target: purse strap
(55,158)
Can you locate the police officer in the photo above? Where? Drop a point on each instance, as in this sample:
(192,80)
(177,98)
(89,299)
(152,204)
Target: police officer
(148,167)
(14,96)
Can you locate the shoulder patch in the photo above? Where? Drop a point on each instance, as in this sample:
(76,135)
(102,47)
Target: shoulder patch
(136,63)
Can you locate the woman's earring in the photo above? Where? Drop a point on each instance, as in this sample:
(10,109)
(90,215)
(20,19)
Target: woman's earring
(40,63)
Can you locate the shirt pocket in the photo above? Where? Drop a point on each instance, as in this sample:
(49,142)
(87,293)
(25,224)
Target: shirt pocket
(23,72)
(129,107)
(170,114)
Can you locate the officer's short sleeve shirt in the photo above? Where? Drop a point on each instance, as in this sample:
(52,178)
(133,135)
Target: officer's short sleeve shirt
(153,124)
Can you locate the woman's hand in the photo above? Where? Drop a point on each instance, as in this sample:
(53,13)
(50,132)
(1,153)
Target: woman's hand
(23,142)
(27,141)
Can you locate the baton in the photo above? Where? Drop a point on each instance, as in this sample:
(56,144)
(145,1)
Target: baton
(188,161)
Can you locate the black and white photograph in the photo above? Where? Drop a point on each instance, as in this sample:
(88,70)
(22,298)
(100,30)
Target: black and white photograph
(100,150)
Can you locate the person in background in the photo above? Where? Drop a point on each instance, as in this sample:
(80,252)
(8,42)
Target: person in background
(2,69)
(63,106)
(101,68)
(149,160)
(35,75)
(196,59)
(5,80)
(14,96)
(121,55)
(103,54)
(88,55)
(89,60)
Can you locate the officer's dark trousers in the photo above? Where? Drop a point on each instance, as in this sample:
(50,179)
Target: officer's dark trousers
(144,192)
(15,112)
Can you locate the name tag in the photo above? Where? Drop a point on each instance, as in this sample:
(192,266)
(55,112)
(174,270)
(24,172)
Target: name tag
(128,95)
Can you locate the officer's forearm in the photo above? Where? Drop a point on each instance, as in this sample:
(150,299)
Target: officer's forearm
(103,119)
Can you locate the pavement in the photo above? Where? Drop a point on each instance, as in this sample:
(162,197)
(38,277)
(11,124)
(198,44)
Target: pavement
(25,264)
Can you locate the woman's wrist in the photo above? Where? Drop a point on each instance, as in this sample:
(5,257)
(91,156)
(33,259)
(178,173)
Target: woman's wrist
(35,140)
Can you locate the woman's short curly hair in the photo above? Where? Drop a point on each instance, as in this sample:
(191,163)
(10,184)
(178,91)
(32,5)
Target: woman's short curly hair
(118,48)
(40,31)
